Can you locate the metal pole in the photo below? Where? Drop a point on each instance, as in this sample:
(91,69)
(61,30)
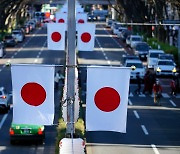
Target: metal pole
(179,45)
(71,63)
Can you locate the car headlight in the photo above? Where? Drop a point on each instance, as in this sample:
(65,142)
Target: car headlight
(174,70)
(133,67)
(158,69)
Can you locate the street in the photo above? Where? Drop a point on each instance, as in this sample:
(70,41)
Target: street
(150,129)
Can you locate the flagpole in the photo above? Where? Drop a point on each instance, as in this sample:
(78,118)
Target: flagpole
(71,64)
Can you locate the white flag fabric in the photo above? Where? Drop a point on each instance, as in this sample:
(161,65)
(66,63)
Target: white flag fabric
(61,17)
(107,98)
(56,36)
(33,94)
(86,37)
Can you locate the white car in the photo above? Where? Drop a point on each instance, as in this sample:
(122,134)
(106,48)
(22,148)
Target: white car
(116,28)
(153,57)
(120,29)
(18,35)
(4,100)
(132,40)
(165,68)
(137,67)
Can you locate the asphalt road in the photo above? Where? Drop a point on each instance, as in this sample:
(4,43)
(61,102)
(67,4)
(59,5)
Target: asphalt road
(150,129)
(34,51)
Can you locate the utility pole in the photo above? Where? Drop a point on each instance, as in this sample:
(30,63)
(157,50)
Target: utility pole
(70,66)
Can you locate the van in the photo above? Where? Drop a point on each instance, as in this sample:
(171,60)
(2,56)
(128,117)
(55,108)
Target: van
(153,57)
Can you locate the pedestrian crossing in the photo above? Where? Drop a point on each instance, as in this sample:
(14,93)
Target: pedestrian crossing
(164,95)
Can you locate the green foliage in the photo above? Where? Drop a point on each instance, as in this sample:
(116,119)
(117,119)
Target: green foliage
(61,130)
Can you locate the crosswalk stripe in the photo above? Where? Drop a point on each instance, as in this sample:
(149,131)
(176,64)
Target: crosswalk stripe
(165,95)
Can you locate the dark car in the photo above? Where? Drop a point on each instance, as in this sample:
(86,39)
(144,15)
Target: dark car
(92,17)
(124,34)
(141,49)
(9,40)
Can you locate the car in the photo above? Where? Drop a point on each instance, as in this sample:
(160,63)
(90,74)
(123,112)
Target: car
(101,18)
(18,35)
(4,100)
(132,40)
(91,17)
(109,22)
(129,57)
(141,49)
(116,28)
(137,67)
(152,57)
(120,29)
(9,40)
(167,57)
(124,34)
(2,49)
(26,132)
(165,68)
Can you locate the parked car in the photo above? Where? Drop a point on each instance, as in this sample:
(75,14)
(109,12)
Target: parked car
(124,34)
(9,40)
(165,68)
(116,28)
(132,40)
(109,22)
(24,132)
(4,100)
(120,29)
(137,67)
(18,35)
(153,57)
(2,49)
(141,49)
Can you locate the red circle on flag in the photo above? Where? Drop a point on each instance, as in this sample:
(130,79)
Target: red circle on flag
(81,21)
(85,37)
(61,21)
(33,94)
(107,99)
(56,36)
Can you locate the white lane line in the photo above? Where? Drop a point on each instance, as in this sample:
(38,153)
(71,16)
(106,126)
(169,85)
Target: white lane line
(3,120)
(136,114)
(165,95)
(155,149)
(144,130)
(172,103)
(129,101)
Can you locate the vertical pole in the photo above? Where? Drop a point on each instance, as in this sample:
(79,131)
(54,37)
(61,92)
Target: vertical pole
(71,63)
(179,45)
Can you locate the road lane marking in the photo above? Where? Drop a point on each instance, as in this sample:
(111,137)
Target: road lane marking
(136,114)
(165,95)
(172,103)
(3,120)
(129,101)
(144,130)
(155,149)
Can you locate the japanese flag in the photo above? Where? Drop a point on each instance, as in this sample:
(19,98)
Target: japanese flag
(61,17)
(86,36)
(56,36)
(107,98)
(81,17)
(33,94)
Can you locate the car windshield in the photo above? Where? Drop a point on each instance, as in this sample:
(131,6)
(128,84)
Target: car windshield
(165,63)
(16,33)
(136,39)
(142,47)
(166,57)
(137,65)
(154,55)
